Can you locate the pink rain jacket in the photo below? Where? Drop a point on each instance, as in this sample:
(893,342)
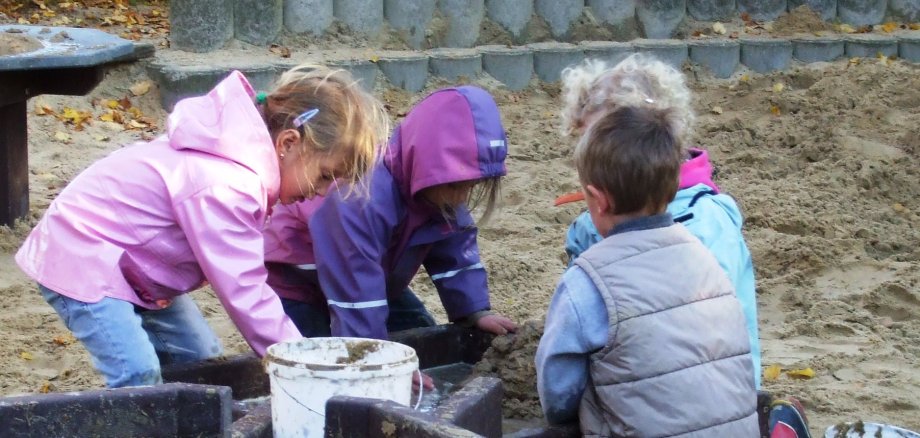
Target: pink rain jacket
(156,220)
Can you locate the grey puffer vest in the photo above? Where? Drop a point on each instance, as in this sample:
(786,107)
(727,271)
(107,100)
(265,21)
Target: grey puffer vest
(677,360)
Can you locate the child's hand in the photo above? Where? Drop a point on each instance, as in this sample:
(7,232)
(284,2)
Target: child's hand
(426,380)
(496,324)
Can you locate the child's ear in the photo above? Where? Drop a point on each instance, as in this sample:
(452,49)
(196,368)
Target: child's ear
(286,141)
(602,202)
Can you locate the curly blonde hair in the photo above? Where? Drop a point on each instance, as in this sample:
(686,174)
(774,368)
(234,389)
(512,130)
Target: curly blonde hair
(639,80)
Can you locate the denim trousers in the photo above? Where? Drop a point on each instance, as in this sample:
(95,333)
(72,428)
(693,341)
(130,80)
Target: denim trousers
(406,312)
(129,343)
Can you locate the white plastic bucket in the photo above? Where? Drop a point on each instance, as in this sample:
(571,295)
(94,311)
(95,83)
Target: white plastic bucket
(305,373)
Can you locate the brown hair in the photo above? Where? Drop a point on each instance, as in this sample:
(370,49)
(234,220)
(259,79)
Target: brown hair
(633,154)
(349,118)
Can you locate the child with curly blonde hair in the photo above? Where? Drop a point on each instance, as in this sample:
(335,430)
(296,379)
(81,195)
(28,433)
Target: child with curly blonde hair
(119,249)
(593,88)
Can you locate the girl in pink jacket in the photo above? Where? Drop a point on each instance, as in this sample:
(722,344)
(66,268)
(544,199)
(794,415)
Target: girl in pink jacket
(117,251)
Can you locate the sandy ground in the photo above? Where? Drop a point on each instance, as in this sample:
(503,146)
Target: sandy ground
(825,168)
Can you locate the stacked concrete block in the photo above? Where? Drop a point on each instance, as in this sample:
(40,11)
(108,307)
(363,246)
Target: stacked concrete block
(362,70)
(827,9)
(361,16)
(765,10)
(549,59)
(411,18)
(177,82)
(764,55)
(870,46)
(560,15)
(512,66)
(200,25)
(907,11)
(719,56)
(818,49)
(671,52)
(660,18)
(258,22)
(711,10)
(513,15)
(861,12)
(408,71)
(909,48)
(611,52)
(308,16)
(454,64)
(464,20)
(618,16)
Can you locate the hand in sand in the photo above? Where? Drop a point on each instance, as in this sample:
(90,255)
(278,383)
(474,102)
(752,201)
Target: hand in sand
(496,324)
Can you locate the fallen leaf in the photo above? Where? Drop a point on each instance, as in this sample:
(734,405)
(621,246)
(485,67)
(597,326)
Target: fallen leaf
(101,137)
(280,50)
(719,28)
(889,27)
(61,136)
(772,372)
(864,29)
(23,21)
(26,355)
(778,87)
(141,88)
(135,112)
(805,373)
(898,207)
(125,103)
(855,61)
(76,117)
(744,78)
(46,388)
(716,110)
(914,26)
(775,110)
(112,104)
(136,125)
(66,339)
(886,60)
(846,28)
(44,110)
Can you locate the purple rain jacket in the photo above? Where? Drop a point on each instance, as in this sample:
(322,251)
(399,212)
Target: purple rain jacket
(366,249)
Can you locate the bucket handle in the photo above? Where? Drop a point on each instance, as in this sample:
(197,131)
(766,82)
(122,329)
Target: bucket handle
(421,389)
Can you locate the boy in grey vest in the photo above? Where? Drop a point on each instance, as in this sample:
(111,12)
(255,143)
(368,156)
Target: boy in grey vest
(644,335)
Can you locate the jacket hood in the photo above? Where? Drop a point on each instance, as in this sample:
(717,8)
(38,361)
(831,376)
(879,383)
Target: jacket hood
(226,123)
(454,134)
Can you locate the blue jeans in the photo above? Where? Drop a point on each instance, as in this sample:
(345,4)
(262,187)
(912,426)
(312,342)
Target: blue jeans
(128,343)
(406,312)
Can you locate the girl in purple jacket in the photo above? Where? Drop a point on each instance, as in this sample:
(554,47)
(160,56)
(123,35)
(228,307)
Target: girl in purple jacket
(342,265)
(117,251)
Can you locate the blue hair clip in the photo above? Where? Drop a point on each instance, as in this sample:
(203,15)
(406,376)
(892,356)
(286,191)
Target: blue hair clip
(305,117)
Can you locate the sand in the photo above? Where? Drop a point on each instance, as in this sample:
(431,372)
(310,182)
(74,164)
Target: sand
(826,173)
(16,44)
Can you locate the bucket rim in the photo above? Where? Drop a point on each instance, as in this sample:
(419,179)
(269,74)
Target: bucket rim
(271,357)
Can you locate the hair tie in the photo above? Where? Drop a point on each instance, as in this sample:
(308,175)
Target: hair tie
(261,98)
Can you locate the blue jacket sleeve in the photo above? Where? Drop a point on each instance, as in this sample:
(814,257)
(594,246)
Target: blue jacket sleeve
(350,237)
(458,274)
(581,235)
(576,326)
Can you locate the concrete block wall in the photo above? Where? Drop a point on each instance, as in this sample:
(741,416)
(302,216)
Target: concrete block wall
(206,25)
(517,67)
